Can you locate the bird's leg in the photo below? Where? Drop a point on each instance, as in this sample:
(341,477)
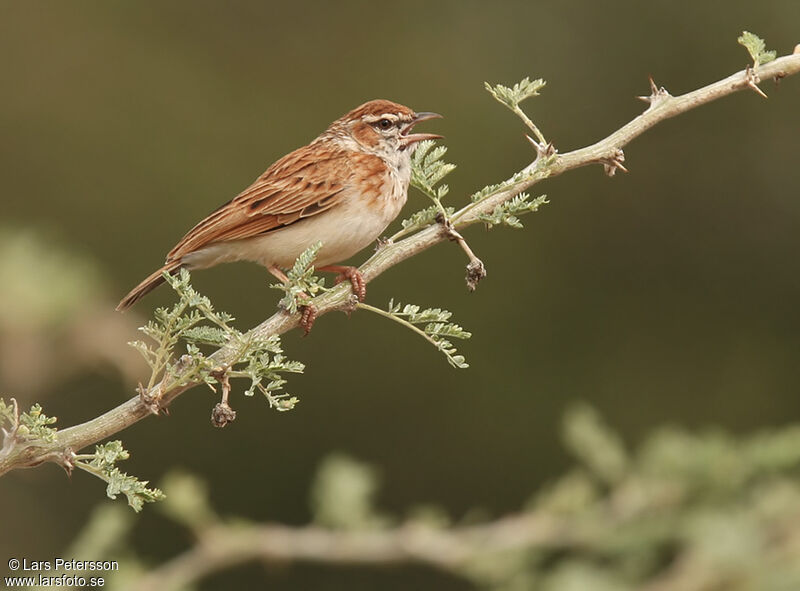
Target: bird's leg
(308,311)
(276,272)
(353,275)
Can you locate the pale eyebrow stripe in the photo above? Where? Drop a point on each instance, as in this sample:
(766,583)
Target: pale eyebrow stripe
(373,118)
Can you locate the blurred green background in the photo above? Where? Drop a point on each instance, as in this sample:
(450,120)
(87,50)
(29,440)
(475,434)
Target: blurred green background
(667,295)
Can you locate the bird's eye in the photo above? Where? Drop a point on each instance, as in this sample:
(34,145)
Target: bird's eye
(384,124)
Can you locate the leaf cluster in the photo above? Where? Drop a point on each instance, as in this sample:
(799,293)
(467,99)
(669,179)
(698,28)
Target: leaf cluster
(519,177)
(511,97)
(102,463)
(181,321)
(428,169)
(6,413)
(264,365)
(756,47)
(507,213)
(194,321)
(302,281)
(30,426)
(425,217)
(34,424)
(435,326)
(34,427)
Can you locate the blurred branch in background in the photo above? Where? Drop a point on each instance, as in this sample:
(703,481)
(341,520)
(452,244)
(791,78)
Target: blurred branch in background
(54,319)
(682,512)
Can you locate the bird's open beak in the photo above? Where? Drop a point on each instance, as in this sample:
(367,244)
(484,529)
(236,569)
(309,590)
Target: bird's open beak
(407,140)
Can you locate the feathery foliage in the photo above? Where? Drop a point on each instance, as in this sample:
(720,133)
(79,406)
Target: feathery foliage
(756,47)
(302,281)
(6,413)
(511,97)
(436,330)
(428,169)
(34,424)
(30,427)
(264,366)
(191,320)
(425,217)
(519,177)
(506,213)
(194,320)
(102,463)
(34,428)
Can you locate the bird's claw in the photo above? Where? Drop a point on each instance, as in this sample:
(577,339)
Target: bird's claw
(308,315)
(356,280)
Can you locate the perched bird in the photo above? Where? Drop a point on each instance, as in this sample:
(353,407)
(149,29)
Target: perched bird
(342,189)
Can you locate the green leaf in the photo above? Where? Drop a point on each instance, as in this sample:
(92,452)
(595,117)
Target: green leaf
(285,403)
(756,48)
(6,413)
(436,330)
(263,364)
(34,425)
(135,490)
(513,96)
(206,335)
(102,464)
(519,177)
(304,262)
(194,321)
(428,169)
(425,217)
(506,213)
(302,281)
(108,454)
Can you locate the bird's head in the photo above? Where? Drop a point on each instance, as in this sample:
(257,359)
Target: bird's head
(383,127)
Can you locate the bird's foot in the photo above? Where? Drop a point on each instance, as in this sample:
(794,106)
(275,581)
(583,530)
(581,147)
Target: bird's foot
(308,315)
(351,274)
(308,311)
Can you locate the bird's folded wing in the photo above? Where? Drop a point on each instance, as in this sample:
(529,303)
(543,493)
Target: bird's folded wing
(301,184)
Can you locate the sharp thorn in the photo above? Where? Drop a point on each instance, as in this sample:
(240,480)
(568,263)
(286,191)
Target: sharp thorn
(536,145)
(756,89)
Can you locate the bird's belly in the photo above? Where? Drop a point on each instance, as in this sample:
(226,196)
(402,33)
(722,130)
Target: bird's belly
(343,230)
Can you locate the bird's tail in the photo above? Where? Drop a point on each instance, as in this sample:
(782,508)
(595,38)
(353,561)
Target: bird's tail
(149,284)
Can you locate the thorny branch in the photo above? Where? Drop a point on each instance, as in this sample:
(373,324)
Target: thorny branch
(607,152)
